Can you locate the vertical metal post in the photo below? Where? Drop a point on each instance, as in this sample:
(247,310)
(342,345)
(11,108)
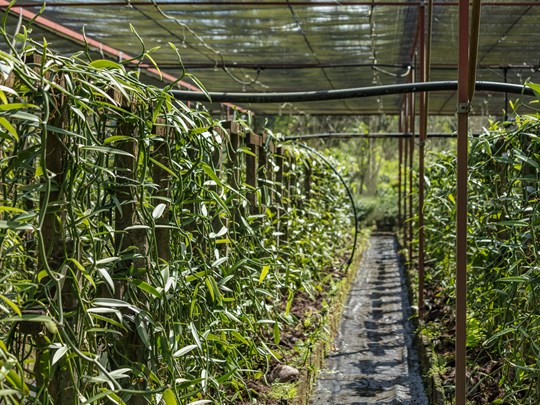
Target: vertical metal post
(423,100)
(506,104)
(461,200)
(400,142)
(412,116)
(405,165)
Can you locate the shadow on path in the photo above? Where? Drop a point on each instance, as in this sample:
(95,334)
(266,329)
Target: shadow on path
(373,361)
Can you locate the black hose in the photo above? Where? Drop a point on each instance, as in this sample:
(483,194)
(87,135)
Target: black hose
(318,154)
(340,94)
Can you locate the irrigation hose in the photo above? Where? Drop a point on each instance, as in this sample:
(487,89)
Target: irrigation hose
(342,94)
(325,160)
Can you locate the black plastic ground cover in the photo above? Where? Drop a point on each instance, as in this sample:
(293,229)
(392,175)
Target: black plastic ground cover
(373,360)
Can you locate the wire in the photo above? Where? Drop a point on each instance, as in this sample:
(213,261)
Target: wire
(408,70)
(310,47)
(217,53)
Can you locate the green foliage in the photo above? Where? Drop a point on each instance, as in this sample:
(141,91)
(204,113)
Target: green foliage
(138,264)
(503,261)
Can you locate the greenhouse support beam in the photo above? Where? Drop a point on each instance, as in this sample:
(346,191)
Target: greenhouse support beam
(311,4)
(421,164)
(463,108)
(376,135)
(342,94)
(405,165)
(400,162)
(412,129)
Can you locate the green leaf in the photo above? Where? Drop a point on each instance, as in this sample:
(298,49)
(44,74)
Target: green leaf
(143,285)
(168,170)
(3,97)
(62,131)
(107,260)
(111,302)
(184,350)
(210,288)
(264,272)
(22,115)
(159,210)
(515,222)
(221,232)
(59,353)
(10,128)
(115,399)
(211,173)
(535,87)
(289,303)
(17,382)
(107,150)
(12,209)
(16,106)
(28,318)
(11,304)
(9,90)
(142,330)
(116,138)
(169,397)
(104,63)
(107,277)
(515,279)
(15,225)
(277,335)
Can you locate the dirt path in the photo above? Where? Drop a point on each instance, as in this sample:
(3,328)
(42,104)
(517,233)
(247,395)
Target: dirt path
(373,360)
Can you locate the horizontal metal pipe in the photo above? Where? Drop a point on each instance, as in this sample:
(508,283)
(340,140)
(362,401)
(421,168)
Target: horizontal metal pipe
(290,66)
(342,94)
(139,3)
(279,66)
(379,135)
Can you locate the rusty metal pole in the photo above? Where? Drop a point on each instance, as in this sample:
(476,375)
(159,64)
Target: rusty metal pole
(400,148)
(405,165)
(461,204)
(412,116)
(421,162)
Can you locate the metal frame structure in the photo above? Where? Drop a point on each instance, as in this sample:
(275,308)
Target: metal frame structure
(468,35)
(62,19)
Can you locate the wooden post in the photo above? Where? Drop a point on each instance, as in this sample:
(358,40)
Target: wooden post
(233,166)
(307,179)
(161,179)
(52,235)
(264,174)
(253,142)
(128,239)
(217,162)
(280,196)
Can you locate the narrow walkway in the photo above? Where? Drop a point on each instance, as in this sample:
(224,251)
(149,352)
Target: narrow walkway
(373,360)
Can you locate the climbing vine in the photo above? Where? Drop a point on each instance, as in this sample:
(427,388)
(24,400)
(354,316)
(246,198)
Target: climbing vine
(503,288)
(149,252)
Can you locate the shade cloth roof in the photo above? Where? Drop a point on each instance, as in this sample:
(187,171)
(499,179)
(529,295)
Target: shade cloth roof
(276,46)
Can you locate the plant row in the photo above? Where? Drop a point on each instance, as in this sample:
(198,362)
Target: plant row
(503,263)
(148,251)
